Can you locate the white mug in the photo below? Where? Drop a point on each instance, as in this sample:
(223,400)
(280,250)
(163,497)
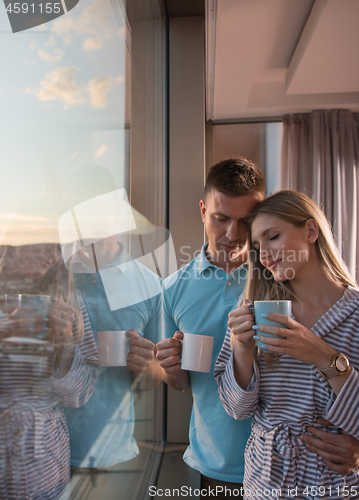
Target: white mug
(113,348)
(196,352)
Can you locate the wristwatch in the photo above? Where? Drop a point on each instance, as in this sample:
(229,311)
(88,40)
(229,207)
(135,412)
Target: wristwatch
(340,365)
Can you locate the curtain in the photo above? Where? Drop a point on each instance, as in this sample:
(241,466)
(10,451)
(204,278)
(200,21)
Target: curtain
(320,157)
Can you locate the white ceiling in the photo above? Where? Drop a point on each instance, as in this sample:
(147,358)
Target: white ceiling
(272,57)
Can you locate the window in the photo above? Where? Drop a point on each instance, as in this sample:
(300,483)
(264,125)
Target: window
(83,126)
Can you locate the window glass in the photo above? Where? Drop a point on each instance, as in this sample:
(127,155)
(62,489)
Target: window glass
(82,211)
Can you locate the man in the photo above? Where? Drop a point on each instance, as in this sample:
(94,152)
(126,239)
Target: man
(199,301)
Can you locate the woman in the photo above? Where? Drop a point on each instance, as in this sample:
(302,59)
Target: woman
(47,363)
(292,256)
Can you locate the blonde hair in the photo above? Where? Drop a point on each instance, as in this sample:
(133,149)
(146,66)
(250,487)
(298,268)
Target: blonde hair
(295,208)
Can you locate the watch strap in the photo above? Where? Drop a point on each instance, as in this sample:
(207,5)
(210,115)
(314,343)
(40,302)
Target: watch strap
(333,370)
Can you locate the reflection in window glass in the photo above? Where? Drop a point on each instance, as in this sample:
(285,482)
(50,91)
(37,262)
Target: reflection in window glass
(82,211)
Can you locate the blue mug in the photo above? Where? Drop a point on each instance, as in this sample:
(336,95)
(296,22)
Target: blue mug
(283,307)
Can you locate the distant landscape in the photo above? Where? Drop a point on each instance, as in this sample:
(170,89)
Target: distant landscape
(21,267)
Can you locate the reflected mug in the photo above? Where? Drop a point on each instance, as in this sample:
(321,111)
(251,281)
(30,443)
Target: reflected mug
(29,306)
(37,305)
(196,352)
(283,307)
(113,348)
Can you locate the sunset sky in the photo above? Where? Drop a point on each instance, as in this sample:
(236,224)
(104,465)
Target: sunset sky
(62,101)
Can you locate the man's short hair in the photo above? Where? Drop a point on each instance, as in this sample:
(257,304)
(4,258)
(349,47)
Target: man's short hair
(235,177)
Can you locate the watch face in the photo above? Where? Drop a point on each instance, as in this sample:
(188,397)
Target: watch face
(341,364)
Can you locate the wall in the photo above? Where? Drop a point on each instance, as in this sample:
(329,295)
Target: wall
(187,159)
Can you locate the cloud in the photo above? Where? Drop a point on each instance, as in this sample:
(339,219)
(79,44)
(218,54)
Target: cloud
(93,21)
(27,218)
(56,56)
(23,234)
(60,84)
(32,46)
(63,27)
(50,42)
(98,89)
(101,151)
(93,44)
(123,31)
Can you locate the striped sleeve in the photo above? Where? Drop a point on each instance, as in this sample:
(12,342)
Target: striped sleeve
(344,412)
(238,403)
(76,387)
(224,354)
(223,357)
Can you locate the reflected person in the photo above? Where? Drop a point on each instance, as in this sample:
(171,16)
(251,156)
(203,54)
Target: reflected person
(120,294)
(46,363)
